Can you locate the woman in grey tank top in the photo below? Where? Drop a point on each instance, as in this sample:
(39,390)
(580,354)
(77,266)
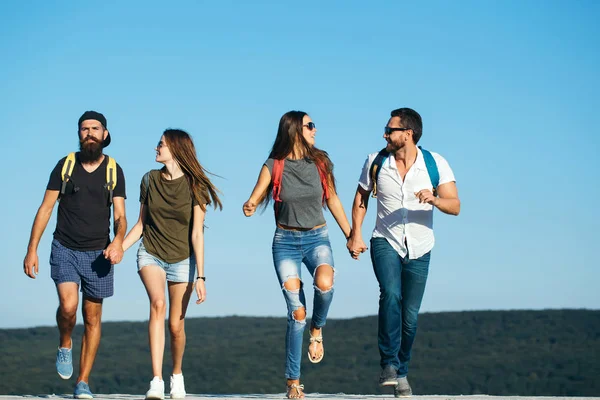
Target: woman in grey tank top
(299,178)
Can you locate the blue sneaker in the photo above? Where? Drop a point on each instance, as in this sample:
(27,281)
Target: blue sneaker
(64,362)
(82,391)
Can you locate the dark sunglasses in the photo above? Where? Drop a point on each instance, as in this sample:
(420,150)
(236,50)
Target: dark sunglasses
(389,131)
(311,126)
(160,145)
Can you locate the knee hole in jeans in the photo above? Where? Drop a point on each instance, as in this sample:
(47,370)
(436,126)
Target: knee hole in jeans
(299,314)
(292,284)
(324,280)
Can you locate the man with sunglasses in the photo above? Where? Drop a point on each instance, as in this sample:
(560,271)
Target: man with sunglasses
(402,240)
(82,253)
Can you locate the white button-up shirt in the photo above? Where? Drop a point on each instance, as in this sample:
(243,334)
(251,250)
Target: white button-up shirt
(401,219)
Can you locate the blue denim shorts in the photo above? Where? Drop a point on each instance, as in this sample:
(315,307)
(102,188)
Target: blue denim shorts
(292,248)
(89,269)
(182,271)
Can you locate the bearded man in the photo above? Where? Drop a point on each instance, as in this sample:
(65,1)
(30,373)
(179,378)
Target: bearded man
(409,182)
(82,254)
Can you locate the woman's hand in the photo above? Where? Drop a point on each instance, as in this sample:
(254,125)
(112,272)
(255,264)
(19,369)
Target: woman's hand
(200,291)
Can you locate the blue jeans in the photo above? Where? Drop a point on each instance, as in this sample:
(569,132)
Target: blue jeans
(290,250)
(401,285)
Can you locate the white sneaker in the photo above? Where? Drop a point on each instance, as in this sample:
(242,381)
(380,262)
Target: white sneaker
(177,387)
(157,389)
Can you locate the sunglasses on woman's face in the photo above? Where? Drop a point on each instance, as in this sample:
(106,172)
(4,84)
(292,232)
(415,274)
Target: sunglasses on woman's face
(311,126)
(160,145)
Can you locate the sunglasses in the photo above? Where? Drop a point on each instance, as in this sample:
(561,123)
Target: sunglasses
(160,145)
(389,131)
(311,126)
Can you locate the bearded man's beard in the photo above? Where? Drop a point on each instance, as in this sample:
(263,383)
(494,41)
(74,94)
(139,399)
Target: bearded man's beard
(90,150)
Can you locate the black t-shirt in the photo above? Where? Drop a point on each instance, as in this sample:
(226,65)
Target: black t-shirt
(83,221)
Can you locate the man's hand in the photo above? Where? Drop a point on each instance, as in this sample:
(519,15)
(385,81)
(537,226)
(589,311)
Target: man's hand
(200,291)
(114,252)
(31,264)
(426,196)
(356,246)
(249,208)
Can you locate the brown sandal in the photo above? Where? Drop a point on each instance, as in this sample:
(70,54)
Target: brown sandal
(295,391)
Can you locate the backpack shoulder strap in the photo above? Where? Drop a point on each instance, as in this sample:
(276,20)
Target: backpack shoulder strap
(66,172)
(111,177)
(432,169)
(376,168)
(276,175)
(324,183)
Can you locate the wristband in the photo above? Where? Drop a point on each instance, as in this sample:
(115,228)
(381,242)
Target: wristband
(201,277)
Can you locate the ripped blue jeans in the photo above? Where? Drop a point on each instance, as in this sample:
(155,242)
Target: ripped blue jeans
(290,250)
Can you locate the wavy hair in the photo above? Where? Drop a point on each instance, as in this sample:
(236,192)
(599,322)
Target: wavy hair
(289,138)
(182,149)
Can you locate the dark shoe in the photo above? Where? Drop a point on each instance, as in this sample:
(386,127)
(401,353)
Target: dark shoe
(389,376)
(403,388)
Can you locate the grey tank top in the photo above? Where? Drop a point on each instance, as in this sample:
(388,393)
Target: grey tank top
(301,194)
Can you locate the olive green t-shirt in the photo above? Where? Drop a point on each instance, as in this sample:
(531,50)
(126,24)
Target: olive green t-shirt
(168,225)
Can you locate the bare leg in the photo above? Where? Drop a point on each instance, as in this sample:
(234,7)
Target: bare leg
(153,278)
(92,316)
(66,314)
(179,297)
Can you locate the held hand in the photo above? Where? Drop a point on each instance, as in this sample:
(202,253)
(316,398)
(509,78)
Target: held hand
(114,253)
(356,246)
(31,264)
(200,291)
(426,196)
(249,208)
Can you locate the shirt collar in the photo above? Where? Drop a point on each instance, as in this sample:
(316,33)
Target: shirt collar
(419,162)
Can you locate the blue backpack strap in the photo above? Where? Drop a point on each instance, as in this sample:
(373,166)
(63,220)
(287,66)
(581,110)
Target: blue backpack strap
(432,169)
(376,169)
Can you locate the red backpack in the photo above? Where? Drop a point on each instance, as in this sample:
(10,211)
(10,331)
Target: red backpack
(277,173)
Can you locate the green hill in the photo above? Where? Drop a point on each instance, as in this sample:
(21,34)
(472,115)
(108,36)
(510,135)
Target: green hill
(549,352)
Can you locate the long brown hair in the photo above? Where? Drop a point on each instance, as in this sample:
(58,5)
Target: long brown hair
(289,136)
(182,149)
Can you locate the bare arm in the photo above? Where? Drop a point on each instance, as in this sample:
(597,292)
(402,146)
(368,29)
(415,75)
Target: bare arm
(447,202)
(114,251)
(337,210)
(356,245)
(264,179)
(120,219)
(137,230)
(31,262)
(198,248)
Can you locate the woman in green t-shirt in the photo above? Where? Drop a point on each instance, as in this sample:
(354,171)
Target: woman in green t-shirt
(173,203)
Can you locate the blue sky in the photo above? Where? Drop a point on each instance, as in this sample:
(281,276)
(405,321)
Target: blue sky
(508,92)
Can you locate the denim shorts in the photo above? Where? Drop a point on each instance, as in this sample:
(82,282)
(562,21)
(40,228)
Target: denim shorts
(88,269)
(181,271)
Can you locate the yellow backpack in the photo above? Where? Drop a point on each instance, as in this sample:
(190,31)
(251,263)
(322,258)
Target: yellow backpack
(111,175)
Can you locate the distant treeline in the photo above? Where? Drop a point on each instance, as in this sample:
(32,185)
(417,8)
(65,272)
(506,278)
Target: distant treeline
(527,353)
